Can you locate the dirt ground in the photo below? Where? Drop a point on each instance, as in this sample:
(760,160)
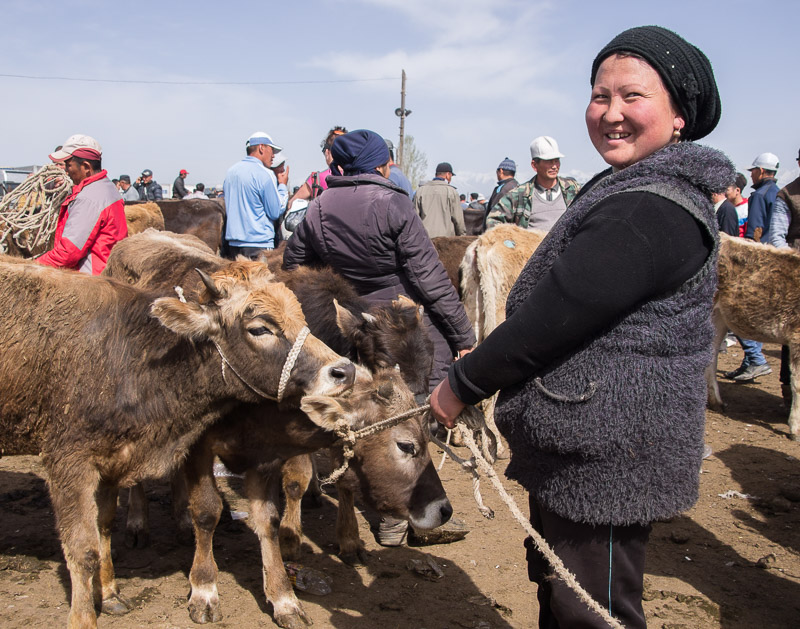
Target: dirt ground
(730,562)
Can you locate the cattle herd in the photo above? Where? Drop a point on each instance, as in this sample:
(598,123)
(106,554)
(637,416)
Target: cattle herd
(178,356)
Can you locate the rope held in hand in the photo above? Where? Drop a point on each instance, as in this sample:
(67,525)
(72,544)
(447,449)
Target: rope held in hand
(348,437)
(542,546)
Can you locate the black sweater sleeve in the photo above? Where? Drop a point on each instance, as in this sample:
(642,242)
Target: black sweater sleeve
(630,248)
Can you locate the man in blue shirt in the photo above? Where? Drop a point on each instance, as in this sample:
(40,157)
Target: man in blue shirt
(763,173)
(397,176)
(251,199)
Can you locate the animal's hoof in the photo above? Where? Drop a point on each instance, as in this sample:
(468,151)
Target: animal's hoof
(357,557)
(794,437)
(297,620)
(202,612)
(137,539)
(116,605)
(502,456)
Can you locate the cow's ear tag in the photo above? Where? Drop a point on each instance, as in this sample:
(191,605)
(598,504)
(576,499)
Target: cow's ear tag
(510,244)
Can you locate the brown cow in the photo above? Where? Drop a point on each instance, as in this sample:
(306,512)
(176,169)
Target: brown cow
(489,269)
(392,468)
(385,336)
(113,385)
(451,251)
(378,336)
(141,216)
(758,298)
(204,218)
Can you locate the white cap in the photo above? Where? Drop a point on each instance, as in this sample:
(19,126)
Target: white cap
(545,147)
(259,137)
(277,161)
(79,145)
(767,161)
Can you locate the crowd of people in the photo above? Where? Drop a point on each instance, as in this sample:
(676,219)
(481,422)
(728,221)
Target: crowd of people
(605,423)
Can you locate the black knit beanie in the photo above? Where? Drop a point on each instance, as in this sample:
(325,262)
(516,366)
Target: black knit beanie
(685,70)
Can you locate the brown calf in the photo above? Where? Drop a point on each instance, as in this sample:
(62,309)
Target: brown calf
(758,298)
(113,385)
(451,251)
(393,469)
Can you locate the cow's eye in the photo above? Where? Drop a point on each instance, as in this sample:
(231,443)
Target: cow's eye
(407,447)
(259,331)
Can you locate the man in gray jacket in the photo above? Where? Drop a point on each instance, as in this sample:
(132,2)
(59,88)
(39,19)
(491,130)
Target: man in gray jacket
(438,205)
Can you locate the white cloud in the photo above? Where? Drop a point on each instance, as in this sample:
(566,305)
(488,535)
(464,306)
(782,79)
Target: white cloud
(488,49)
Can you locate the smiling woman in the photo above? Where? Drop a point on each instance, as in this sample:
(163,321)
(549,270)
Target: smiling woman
(600,361)
(631,114)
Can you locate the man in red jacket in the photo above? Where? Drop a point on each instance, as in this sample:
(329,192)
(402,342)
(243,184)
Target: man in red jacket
(92,218)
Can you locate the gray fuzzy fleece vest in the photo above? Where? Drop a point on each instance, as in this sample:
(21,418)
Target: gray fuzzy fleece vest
(613,434)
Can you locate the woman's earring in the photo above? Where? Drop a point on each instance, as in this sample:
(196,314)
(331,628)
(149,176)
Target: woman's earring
(676,134)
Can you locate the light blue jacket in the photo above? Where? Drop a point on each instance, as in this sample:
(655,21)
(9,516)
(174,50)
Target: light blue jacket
(251,203)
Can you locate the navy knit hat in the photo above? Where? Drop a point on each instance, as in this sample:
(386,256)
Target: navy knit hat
(685,70)
(508,164)
(360,151)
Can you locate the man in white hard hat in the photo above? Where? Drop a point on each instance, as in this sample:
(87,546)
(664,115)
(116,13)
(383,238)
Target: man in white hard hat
(759,212)
(252,203)
(539,202)
(92,218)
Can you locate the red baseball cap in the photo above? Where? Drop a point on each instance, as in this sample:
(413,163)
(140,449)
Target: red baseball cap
(184,172)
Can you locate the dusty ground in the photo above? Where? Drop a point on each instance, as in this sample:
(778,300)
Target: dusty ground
(729,562)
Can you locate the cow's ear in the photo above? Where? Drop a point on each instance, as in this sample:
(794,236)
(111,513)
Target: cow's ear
(189,320)
(322,410)
(404,302)
(346,321)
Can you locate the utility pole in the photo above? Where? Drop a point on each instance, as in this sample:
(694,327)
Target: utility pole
(402,112)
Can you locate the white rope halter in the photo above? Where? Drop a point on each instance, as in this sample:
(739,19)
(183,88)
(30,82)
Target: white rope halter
(348,437)
(291,359)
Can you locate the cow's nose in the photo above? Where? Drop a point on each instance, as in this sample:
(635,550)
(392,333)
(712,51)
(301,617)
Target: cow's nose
(344,373)
(446,510)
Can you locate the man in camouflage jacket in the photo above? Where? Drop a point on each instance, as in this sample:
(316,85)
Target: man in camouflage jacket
(539,202)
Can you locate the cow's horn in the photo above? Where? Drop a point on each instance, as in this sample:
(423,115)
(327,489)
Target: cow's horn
(211,287)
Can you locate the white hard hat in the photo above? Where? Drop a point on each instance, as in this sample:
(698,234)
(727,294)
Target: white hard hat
(545,147)
(767,161)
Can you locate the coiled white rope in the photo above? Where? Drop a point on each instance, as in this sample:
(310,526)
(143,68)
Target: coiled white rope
(29,213)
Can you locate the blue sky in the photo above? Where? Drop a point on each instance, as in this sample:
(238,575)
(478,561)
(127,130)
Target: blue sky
(484,78)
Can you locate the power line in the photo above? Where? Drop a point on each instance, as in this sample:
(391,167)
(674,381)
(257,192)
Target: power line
(89,80)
